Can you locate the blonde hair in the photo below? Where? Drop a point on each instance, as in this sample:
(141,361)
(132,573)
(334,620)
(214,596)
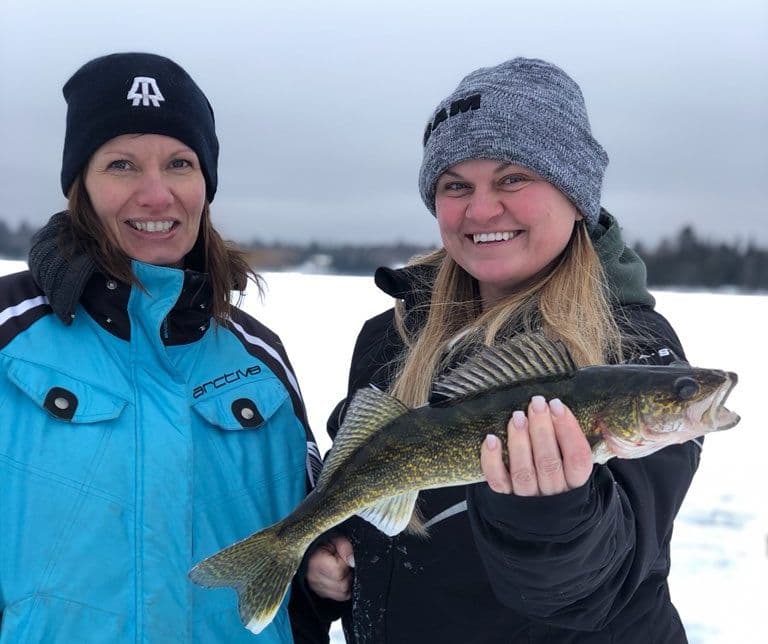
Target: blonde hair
(568,302)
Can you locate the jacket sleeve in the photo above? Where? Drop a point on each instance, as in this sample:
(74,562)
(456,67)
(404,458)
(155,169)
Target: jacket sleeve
(575,559)
(372,363)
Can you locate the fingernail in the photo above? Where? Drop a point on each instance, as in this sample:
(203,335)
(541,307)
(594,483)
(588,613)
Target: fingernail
(491,442)
(351,561)
(557,407)
(538,404)
(518,419)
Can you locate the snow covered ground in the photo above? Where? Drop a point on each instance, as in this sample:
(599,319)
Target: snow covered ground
(719,578)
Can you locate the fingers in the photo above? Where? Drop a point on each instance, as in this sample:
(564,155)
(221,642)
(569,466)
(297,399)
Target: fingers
(545,449)
(521,467)
(574,447)
(492,464)
(343,548)
(329,573)
(548,452)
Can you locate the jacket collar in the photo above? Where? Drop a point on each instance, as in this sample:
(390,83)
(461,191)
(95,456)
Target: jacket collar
(624,270)
(106,301)
(69,281)
(62,279)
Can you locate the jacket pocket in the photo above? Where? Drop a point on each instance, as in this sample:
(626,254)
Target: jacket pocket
(64,397)
(250,444)
(248,406)
(61,423)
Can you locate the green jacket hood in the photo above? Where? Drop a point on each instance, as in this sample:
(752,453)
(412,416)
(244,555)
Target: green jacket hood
(624,270)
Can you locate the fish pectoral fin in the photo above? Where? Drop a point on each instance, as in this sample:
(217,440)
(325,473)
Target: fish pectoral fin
(391,515)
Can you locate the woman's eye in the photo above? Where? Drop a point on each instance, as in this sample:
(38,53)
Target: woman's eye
(180,164)
(514,180)
(119,164)
(454,186)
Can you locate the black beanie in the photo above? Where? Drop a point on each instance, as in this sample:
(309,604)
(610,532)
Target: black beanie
(136,94)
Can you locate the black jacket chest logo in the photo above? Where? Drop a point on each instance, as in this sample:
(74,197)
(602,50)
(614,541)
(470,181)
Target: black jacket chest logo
(225,379)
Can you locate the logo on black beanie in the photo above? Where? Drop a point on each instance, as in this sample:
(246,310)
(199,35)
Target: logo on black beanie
(147,85)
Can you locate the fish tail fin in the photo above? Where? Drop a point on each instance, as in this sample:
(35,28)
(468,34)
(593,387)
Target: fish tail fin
(259,568)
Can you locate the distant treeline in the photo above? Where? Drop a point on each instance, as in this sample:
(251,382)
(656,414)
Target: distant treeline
(683,261)
(347,259)
(688,261)
(14,244)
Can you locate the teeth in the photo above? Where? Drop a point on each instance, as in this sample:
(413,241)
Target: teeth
(480,238)
(152,226)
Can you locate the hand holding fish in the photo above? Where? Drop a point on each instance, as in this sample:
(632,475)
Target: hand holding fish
(548,452)
(329,570)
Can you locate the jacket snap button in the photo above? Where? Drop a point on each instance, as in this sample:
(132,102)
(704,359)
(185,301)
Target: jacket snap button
(111,285)
(246,412)
(61,403)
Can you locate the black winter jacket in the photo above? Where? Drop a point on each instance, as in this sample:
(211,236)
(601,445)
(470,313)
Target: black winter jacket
(587,566)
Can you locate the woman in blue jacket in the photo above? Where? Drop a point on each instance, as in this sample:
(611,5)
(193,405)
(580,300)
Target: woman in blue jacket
(145,422)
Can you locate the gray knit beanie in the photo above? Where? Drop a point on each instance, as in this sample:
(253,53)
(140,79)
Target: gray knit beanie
(523,111)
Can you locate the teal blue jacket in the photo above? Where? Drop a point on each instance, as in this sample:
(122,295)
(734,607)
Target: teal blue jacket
(136,439)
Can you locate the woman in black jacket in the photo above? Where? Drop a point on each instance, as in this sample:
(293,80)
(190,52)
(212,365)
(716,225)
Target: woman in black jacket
(550,548)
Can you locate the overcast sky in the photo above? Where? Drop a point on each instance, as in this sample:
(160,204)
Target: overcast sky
(321,106)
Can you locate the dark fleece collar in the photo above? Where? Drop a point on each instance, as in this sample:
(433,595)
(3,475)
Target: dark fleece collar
(62,279)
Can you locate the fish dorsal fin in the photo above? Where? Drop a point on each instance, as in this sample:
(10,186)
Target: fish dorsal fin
(523,357)
(369,410)
(391,515)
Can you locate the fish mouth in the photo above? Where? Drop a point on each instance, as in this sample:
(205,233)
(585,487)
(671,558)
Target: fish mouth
(700,417)
(722,418)
(711,411)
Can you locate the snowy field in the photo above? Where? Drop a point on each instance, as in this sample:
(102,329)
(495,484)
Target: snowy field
(719,579)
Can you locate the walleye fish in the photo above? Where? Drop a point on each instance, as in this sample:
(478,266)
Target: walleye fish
(385,453)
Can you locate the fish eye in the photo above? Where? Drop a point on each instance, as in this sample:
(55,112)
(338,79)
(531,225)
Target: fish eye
(686,388)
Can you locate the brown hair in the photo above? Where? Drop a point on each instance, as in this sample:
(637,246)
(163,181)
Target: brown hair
(568,302)
(227,267)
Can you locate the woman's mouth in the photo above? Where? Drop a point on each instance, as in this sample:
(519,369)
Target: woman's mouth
(486,238)
(152,226)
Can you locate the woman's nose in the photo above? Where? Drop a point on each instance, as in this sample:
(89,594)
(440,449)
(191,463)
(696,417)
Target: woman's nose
(484,205)
(154,191)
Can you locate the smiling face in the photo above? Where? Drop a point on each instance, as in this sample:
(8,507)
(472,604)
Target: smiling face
(148,191)
(502,223)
